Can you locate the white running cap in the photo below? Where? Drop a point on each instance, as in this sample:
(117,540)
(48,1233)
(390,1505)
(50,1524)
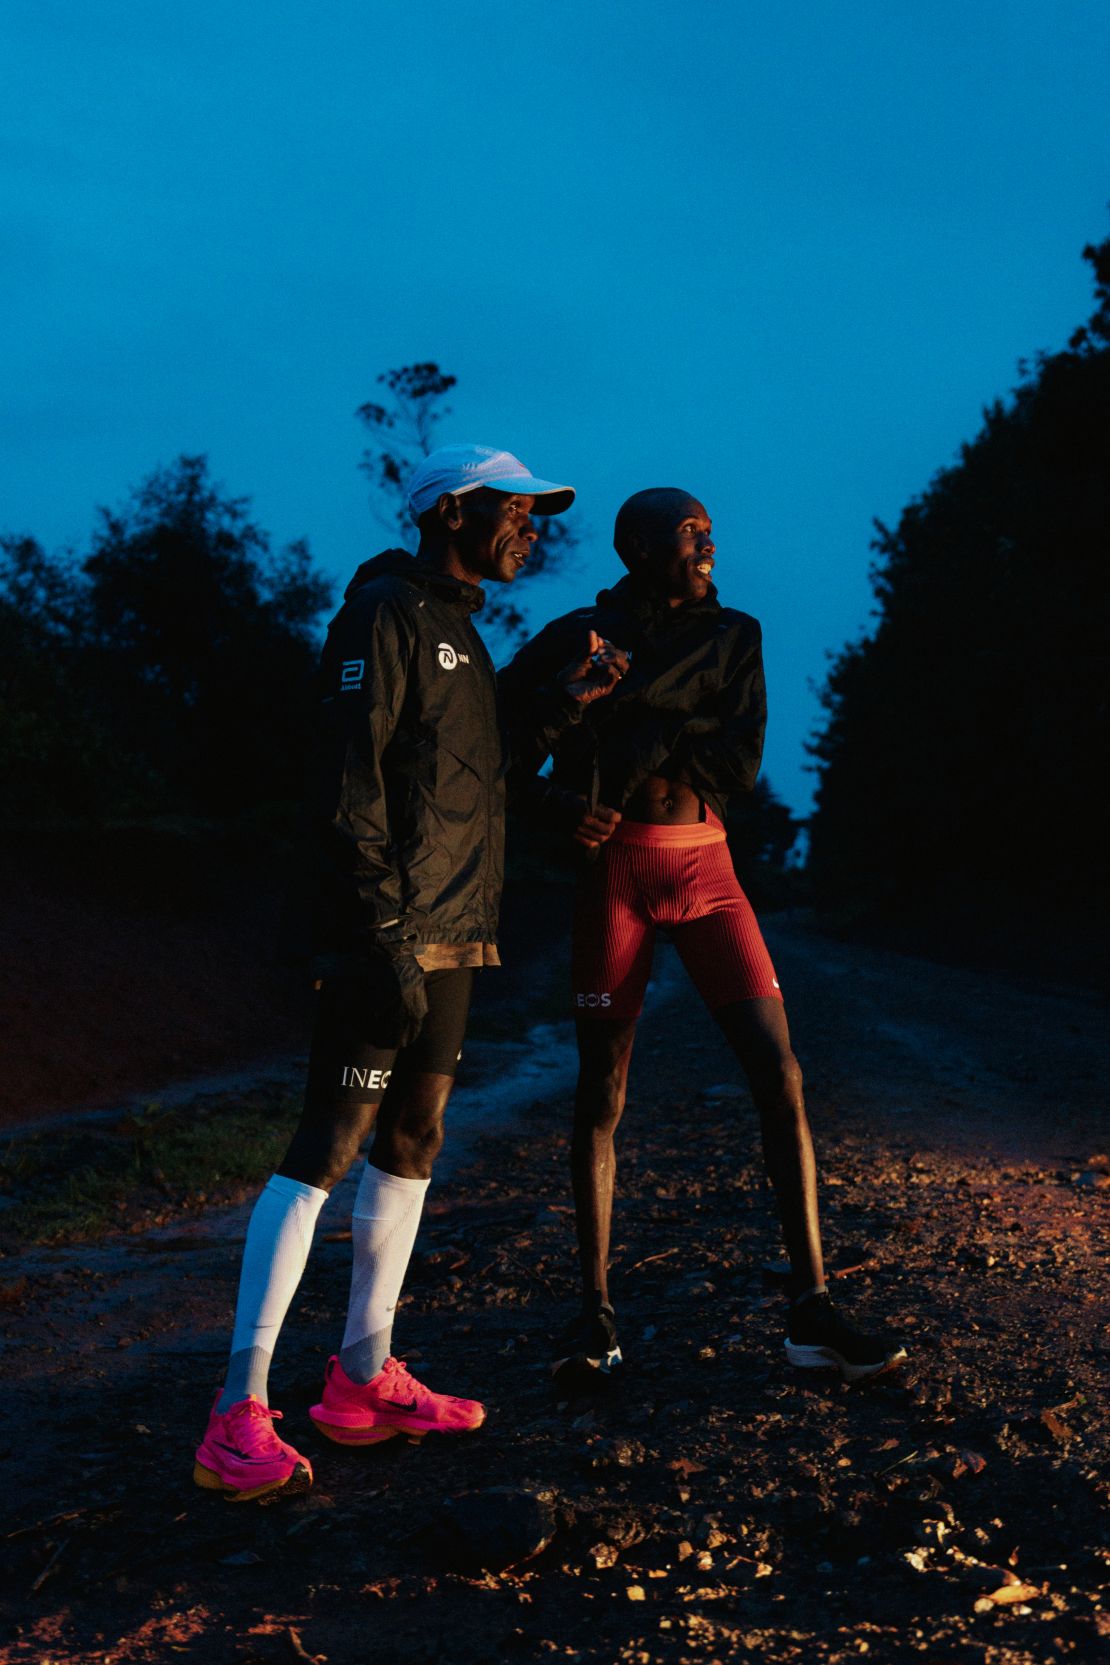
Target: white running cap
(462,468)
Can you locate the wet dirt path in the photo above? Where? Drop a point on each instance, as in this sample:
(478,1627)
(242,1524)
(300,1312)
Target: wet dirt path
(959,1122)
(962,1058)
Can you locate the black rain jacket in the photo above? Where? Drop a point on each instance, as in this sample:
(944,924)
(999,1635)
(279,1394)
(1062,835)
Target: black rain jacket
(405,803)
(693,707)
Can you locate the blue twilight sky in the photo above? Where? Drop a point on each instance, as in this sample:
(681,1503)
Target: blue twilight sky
(780,255)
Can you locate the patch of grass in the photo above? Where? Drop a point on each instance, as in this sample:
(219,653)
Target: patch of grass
(83,1181)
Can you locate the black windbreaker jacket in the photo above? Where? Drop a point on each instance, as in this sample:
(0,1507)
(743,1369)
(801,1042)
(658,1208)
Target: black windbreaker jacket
(693,707)
(405,804)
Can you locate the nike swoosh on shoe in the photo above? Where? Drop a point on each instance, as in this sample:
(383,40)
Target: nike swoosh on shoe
(243,1456)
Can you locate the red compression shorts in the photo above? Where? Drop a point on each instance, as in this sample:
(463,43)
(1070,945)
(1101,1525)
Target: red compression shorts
(678,879)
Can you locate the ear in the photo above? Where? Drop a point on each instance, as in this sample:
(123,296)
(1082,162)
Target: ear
(635,552)
(630,550)
(449,510)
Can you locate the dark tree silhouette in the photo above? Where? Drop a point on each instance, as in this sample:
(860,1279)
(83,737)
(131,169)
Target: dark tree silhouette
(402,430)
(761,829)
(965,735)
(404,427)
(167,671)
(202,641)
(58,758)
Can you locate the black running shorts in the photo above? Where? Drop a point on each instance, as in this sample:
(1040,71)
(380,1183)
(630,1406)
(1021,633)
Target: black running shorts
(345,1062)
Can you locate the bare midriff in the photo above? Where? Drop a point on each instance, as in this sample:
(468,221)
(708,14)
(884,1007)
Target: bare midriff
(663,803)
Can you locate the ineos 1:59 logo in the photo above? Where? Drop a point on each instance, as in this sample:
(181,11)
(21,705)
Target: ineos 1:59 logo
(593,1000)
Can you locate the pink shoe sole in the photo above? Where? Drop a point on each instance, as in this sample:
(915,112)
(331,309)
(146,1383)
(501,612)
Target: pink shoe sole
(294,1485)
(365,1436)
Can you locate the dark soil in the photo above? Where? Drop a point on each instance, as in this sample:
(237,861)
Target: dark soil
(720,1505)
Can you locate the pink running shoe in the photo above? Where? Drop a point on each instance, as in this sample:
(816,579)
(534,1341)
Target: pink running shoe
(241,1455)
(393,1403)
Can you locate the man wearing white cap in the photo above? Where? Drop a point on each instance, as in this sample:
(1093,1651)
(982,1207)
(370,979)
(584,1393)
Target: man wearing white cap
(396,907)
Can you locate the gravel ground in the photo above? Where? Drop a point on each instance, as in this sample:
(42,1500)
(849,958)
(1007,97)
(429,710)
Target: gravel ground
(720,1505)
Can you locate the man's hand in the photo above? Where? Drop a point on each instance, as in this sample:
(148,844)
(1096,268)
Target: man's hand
(396,983)
(386,981)
(595,825)
(596,673)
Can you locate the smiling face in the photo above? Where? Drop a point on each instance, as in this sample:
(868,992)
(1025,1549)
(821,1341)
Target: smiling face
(666,538)
(491,534)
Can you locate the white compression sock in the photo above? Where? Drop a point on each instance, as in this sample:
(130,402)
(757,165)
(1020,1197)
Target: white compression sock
(383,1230)
(278,1240)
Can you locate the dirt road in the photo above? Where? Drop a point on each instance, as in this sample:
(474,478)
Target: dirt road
(721,1506)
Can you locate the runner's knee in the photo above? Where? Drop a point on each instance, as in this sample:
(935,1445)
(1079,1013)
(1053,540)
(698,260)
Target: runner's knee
(776,1080)
(411,1124)
(413,1140)
(599,1101)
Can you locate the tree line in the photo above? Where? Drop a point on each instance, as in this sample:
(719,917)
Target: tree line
(964,735)
(165,673)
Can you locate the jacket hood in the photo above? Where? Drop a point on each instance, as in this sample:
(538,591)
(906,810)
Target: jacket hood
(398,563)
(651,610)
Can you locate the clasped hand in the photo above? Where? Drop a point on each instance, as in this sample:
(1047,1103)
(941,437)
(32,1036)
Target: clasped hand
(384,979)
(597,673)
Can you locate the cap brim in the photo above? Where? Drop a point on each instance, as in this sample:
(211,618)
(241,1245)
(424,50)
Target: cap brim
(550,499)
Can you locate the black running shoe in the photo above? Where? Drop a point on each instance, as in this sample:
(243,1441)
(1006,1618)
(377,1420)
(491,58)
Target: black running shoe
(587,1354)
(818,1336)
